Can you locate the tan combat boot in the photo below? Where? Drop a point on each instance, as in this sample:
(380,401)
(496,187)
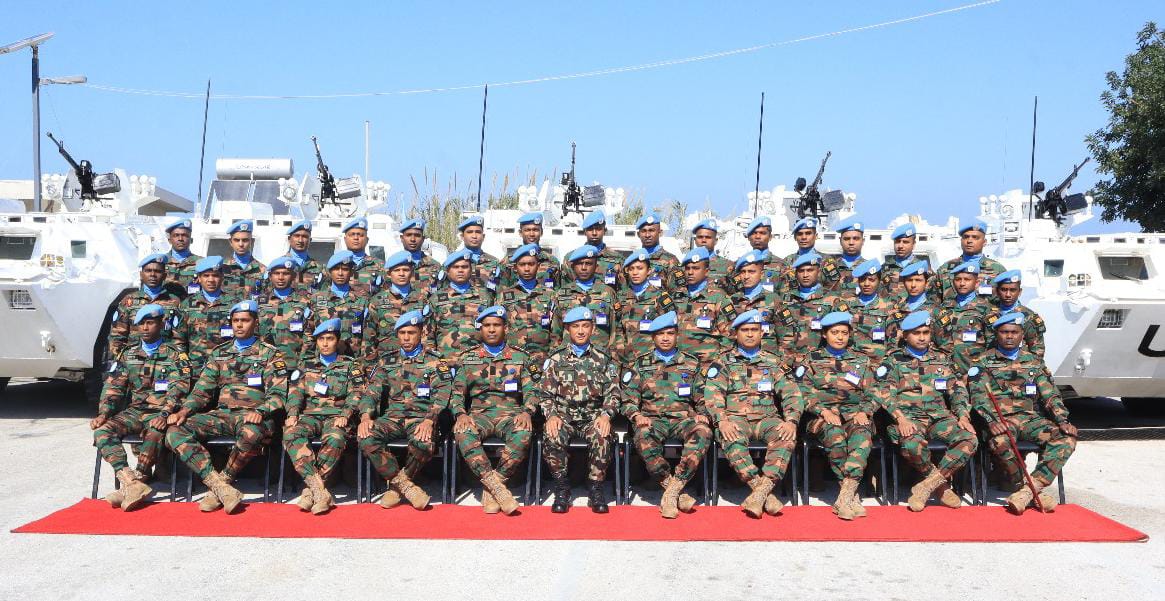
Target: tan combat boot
(390,498)
(754,504)
(115,498)
(229,496)
(773,505)
(686,502)
(322,501)
(488,503)
(857,507)
(1018,501)
(920,493)
(669,503)
(948,497)
(209,502)
(415,495)
(134,490)
(305,501)
(1048,501)
(844,505)
(493,482)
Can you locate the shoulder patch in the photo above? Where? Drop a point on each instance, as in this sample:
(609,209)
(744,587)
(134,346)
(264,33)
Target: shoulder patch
(881,372)
(799,372)
(842,307)
(713,371)
(626,377)
(973,372)
(545,364)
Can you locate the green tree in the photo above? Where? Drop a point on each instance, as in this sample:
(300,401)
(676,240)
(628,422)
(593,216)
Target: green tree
(1130,150)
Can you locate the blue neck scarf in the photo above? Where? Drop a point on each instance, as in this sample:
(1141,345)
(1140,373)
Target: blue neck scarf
(358,257)
(972,258)
(836,352)
(587,285)
(748,352)
(299,254)
(494,350)
(850,259)
(413,353)
(916,353)
(867,299)
(914,302)
(281,293)
(601,246)
(328,359)
(639,288)
(402,291)
(461,288)
(242,344)
(801,251)
(416,256)
(527,285)
(1012,354)
(474,253)
(243,261)
(904,261)
(152,347)
(179,254)
(579,349)
(341,291)
(212,296)
(665,357)
(694,289)
(651,250)
(964,299)
(153,292)
(1005,308)
(807,292)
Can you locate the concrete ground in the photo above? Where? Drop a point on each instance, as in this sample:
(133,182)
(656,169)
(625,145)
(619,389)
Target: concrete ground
(46,453)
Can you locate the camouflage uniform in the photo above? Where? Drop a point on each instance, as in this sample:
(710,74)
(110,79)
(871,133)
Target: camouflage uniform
(237,280)
(830,277)
(367,276)
(202,326)
(138,388)
(665,270)
(719,268)
(425,271)
(671,396)
(600,299)
(875,325)
(549,268)
(122,334)
(352,311)
(931,394)
(578,390)
(799,321)
(891,269)
(283,323)
(451,323)
(767,300)
(180,277)
(254,379)
(493,391)
(942,285)
(1033,326)
(963,330)
(609,268)
(486,268)
(633,314)
(845,385)
(844,277)
(704,325)
(403,392)
(903,306)
(745,391)
(383,311)
(1032,409)
(529,316)
(311,272)
(320,395)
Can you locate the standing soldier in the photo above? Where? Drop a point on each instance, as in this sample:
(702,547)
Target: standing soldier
(874,314)
(805,235)
(913,279)
(904,238)
(241,271)
(704,235)
(321,403)
(412,238)
(339,300)
(759,234)
(367,270)
(755,294)
(580,394)
(407,390)
(486,266)
(837,384)
(701,308)
(635,306)
(250,380)
(529,305)
(662,398)
(608,261)
(1030,408)
(283,311)
(922,390)
(802,309)
(963,326)
(180,273)
(1006,300)
(750,398)
(456,303)
(153,291)
(145,383)
(204,317)
(399,297)
(495,393)
(972,238)
(311,273)
(852,237)
(585,289)
(530,229)
(664,267)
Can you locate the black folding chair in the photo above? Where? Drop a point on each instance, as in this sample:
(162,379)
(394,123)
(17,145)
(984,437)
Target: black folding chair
(496,444)
(1025,448)
(757,450)
(316,443)
(677,445)
(576,444)
(133,439)
(221,442)
(967,481)
(444,451)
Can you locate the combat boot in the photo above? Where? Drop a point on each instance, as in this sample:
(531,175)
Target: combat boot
(669,503)
(773,505)
(1018,501)
(1048,502)
(948,497)
(493,482)
(858,509)
(115,498)
(561,495)
(686,502)
(920,493)
(134,490)
(305,502)
(321,499)
(209,502)
(416,496)
(390,498)
(843,507)
(754,504)
(488,503)
(229,496)
(597,499)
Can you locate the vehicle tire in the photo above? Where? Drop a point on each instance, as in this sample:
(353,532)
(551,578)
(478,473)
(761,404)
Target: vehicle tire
(1144,406)
(3,385)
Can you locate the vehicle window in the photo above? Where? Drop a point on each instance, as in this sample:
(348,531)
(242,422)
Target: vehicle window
(1053,268)
(1123,268)
(16,248)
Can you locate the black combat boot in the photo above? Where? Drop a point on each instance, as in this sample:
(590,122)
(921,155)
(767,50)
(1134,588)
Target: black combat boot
(597,502)
(561,495)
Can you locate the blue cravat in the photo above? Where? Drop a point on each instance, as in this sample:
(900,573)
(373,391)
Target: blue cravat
(341,291)
(638,288)
(916,353)
(665,357)
(698,288)
(587,285)
(281,293)
(494,350)
(461,288)
(212,296)
(328,359)
(242,344)
(243,261)
(579,349)
(914,302)
(180,254)
(651,251)
(527,285)
(298,254)
(416,256)
(807,292)
(151,347)
(836,352)
(402,291)
(413,353)
(867,299)
(965,299)
(152,292)
(748,352)
(1012,354)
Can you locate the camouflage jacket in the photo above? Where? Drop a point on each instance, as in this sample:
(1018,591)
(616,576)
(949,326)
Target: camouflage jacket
(903,306)
(737,386)
(766,300)
(600,299)
(180,277)
(237,280)
(799,319)
(577,389)
(963,331)
(401,387)
(122,333)
(503,384)
(529,317)
(425,272)
(487,269)
(367,277)
(254,378)
(203,325)
(830,277)
(352,311)
(549,268)
(929,387)
(451,322)
(942,284)
(383,311)
(672,390)
(327,390)
(634,313)
(844,280)
(1023,385)
(665,270)
(705,327)
(137,379)
(891,269)
(845,383)
(610,267)
(875,325)
(1033,326)
(283,324)
(311,272)
(719,268)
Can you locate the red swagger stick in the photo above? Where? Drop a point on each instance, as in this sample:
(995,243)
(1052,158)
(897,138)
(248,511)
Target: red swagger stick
(1014,447)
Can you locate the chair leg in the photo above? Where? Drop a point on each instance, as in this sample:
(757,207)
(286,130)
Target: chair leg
(282,466)
(267,477)
(705,472)
(894,467)
(359,476)
(882,479)
(1060,480)
(538,472)
(626,473)
(805,472)
(714,451)
(96,476)
(174,463)
(529,479)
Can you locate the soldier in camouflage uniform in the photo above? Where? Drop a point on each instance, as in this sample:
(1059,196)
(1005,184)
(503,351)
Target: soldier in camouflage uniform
(407,391)
(805,235)
(962,325)
(703,323)
(972,238)
(487,267)
(153,291)
(720,268)
(241,271)
(838,385)
(580,394)
(1031,409)
(529,305)
(662,398)
(1006,300)
(851,234)
(204,317)
(921,388)
(320,403)
(311,272)
(455,304)
(250,379)
(367,270)
(530,229)
(914,297)
(284,310)
(144,385)
(339,299)
(875,315)
(755,294)
(751,398)
(798,318)
(904,238)
(608,261)
(412,239)
(400,295)
(495,393)
(664,267)
(181,278)
(585,289)
(635,306)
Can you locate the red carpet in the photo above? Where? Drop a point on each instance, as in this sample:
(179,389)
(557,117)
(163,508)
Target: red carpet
(1070,523)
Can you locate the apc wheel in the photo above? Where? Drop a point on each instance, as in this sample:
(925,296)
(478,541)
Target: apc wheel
(1144,406)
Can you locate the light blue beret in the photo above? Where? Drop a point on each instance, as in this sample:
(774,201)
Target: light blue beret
(834,318)
(594,218)
(398,258)
(752,316)
(284,263)
(853,222)
(343,257)
(410,318)
(182,223)
(696,255)
(707,224)
(915,320)
(494,311)
(458,255)
(208,264)
(247,306)
(471,220)
(647,219)
(1011,276)
(809,258)
(150,310)
(304,225)
(914,268)
(969,267)
(637,255)
(663,322)
(523,251)
(578,314)
(903,231)
(585,251)
(159,258)
(758,222)
(333,325)
(412,224)
(805,223)
(1014,317)
(535,218)
(869,267)
(359,222)
(973,224)
(246,225)
(750,257)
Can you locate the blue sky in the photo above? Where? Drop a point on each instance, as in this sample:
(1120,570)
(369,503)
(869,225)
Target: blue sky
(922,117)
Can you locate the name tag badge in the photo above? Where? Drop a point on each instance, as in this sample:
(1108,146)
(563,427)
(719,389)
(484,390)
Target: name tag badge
(655,281)
(940,383)
(545,321)
(684,390)
(510,386)
(357,328)
(985,290)
(815,324)
(548,283)
(600,319)
(704,322)
(609,279)
(161,385)
(492,284)
(970,336)
(321,388)
(852,378)
(765,328)
(192,287)
(296,326)
(878,334)
(1029,389)
(423,390)
(226,332)
(644,324)
(765,385)
(255,380)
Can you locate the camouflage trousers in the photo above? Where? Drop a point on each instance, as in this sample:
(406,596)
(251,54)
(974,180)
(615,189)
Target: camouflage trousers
(649,442)
(777,454)
(961,444)
(517,443)
(1055,447)
(599,449)
(387,429)
(847,446)
(186,440)
(134,420)
(333,440)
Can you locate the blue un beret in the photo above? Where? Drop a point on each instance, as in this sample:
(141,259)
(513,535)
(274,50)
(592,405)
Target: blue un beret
(752,256)
(869,267)
(183,223)
(806,223)
(585,251)
(853,222)
(973,224)
(535,218)
(913,268)
(524,250)
(647,219)
(333,325)
(458,255)
(809,258)
(208,264)
(247,306)
(159,258)
(663,322)
(1010,317)
(1011,276)
(304,225)
(696,255)
(903,231)
(359,222)
(752,316)
(637,255)
(284,263)
(758,222)
(343,257)
(707,224)
(915,320)
(594,218)
(398,258)
(969,267)
(413,224)
(147,311)
(494,311)
(578,314)
(245,225)
(835,318)
(411,318)
(471,220)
